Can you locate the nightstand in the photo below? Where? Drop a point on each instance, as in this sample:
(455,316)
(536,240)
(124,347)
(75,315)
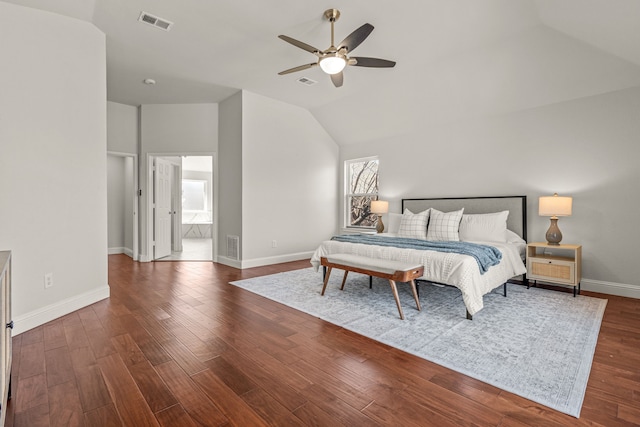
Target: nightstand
(559,264)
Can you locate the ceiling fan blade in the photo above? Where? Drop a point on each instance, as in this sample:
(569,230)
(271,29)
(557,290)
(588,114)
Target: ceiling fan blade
(301,45)
(298,68)
(337,79)
(354,39)
(371,62)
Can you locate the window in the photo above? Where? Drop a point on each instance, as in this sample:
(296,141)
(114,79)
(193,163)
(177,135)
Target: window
(194,195)
(361,179)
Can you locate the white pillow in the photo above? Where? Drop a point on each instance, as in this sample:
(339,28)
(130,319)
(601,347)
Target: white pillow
(444,226)
(394,220)
(511,237)
(490,227)
(414,226)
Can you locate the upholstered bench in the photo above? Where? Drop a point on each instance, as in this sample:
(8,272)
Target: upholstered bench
(393,271)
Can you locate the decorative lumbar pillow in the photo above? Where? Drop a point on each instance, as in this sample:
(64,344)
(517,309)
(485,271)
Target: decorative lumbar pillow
(444,226)
(490,227)
(414,226)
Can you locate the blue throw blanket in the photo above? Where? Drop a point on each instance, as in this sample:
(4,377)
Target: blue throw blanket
(485,256)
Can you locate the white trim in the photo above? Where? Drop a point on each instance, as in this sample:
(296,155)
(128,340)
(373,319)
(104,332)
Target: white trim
(611,288)
(229,261)
(122,250)
(53,311)
(258,262)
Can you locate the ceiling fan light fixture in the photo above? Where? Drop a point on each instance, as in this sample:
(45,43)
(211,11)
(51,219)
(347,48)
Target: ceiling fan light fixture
(333,64)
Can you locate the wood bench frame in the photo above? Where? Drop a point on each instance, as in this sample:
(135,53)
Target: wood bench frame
(398,276)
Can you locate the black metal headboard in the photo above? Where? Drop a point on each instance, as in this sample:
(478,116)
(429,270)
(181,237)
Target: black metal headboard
(516,205)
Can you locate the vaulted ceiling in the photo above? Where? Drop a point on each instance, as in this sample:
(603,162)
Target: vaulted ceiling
(456,59)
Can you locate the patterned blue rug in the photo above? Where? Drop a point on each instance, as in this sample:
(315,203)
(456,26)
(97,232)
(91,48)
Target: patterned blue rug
(536,343)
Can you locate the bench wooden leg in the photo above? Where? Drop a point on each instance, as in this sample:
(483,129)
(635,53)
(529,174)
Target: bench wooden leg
(415,294)
(326,280)
(395,295)
(344,279)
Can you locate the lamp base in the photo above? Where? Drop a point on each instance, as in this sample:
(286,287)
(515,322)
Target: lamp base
(554,235)
(380,226)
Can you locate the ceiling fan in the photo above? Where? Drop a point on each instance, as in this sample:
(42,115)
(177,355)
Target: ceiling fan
(334,59)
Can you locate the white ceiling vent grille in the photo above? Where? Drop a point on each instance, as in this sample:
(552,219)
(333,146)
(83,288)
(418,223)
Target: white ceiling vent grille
(307,81)
(150,19)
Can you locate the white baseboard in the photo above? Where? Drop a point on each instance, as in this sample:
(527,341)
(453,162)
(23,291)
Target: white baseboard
(46,314)
(230,262)
(611,288)
(121,250)
(258,262)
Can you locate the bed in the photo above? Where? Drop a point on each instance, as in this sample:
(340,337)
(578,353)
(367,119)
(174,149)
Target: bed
(498,222)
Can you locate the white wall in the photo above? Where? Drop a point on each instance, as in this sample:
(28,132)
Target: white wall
(230,175)
(289,181)
(172,129)
(586,148)
(122,138)
(53,214)
(122,128)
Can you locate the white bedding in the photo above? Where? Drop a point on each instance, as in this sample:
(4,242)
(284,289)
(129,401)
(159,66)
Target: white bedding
(453,269)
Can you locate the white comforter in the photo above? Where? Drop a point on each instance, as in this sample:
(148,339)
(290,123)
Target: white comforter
(453,269)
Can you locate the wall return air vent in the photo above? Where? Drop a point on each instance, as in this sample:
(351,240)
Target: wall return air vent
(233,247)
(150,19)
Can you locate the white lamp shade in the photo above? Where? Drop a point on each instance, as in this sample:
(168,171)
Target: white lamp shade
(555,205)
(379,207)
(332,64)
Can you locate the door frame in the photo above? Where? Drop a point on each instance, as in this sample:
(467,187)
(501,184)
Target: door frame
(150,189)
(135,191)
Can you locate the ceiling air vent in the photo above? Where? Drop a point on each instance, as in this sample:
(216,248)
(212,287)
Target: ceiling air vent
(150,19)
(307,81)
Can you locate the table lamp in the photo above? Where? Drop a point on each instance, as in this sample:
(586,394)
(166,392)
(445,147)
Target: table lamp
(379,207)
(554,206)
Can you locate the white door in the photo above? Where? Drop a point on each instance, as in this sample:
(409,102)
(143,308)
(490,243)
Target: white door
(162,210)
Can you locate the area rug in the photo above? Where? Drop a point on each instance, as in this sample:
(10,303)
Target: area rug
(535,343)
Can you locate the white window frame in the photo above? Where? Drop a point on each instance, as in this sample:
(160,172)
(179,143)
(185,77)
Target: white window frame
(348,195)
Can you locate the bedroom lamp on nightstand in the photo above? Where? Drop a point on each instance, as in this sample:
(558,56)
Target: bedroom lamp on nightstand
(379,207)
(554,206)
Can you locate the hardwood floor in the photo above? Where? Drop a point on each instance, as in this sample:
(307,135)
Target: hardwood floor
(175,345)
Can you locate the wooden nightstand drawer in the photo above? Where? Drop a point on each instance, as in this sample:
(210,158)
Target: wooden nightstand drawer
(555,270)
(561,264)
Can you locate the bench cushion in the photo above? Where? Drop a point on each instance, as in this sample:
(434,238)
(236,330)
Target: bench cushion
(378,265)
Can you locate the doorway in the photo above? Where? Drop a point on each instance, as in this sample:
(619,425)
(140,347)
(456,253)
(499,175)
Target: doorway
(184,207)
(122,204)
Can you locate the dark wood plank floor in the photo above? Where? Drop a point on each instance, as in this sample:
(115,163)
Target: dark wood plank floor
(175,345)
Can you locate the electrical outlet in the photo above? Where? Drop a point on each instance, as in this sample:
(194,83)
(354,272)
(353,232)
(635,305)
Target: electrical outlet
(48,280)
(274,243)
